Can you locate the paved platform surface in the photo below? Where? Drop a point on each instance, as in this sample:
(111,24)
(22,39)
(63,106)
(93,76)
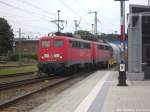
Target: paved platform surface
(133,98)
(99,93)
(70,99)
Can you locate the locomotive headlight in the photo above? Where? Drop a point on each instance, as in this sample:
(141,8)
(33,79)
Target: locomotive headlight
(60,57)
(42,57)
(46,55)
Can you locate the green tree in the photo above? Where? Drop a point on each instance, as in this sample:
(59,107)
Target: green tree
(6,37)
(109,37)
(86,35)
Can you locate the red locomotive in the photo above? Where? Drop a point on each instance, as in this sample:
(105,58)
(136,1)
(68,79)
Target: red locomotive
(58,54)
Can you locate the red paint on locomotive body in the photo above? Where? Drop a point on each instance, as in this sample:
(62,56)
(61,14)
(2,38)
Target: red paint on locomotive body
(70,50)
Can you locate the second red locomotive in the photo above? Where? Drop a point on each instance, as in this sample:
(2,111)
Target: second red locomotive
(62,53)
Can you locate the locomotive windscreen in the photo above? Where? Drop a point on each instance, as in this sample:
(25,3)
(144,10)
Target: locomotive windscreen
(58,43)
(45,43)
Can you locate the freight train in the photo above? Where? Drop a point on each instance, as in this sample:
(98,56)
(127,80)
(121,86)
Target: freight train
(58,54)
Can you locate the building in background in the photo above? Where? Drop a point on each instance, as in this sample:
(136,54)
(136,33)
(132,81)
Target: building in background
(25,46)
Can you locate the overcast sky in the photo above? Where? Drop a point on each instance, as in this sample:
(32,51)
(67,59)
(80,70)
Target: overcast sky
(34,16)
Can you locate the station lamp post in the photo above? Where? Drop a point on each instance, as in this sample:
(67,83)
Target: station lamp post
(122,67)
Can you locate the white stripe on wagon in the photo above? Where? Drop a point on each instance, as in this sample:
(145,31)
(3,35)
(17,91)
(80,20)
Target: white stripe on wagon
(86,103)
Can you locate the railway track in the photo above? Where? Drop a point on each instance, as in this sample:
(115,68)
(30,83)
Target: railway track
(15,75)
(13,66)
(59,80)
(8,85)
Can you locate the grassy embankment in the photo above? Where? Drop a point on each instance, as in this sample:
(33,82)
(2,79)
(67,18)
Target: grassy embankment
(22,69)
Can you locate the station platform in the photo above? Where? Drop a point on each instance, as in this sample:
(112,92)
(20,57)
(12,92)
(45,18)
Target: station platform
(99,93)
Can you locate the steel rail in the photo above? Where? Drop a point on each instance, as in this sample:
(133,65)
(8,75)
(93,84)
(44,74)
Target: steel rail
(5,86)
(15,75)
(12,100)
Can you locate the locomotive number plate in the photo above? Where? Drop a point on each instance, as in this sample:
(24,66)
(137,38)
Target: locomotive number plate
(56,55)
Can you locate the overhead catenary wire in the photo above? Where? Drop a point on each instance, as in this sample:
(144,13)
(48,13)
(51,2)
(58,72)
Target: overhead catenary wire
(79,4)
(44,11)
(70,8)
(19,9)
(75,11)
(86,13)
(17,21)
(17,17)
(36,7)
(105,5)
(41,11)
(12,6)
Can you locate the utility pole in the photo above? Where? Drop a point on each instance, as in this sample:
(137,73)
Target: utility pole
(19,50)
(95,21)
(58,21)
(76,23)
(148,2)
(58,11)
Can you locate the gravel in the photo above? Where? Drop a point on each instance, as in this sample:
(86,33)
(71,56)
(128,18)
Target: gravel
(8,94)
(34,100)
(18,78)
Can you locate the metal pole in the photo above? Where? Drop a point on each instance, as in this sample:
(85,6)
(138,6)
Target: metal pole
(124,35)
(95,22)
(122,66)
(19,50)
(76,24)
(148,2)
(122,30)
(58,19)
(140,40)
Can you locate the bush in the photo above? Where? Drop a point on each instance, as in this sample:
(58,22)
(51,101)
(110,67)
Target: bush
(3,59)
(14,57)
(31,56)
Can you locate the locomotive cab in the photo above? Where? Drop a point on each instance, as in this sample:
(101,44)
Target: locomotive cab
(51,51)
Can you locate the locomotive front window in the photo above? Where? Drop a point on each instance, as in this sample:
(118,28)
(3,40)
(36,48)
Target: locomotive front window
(45,43)
(59,43)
